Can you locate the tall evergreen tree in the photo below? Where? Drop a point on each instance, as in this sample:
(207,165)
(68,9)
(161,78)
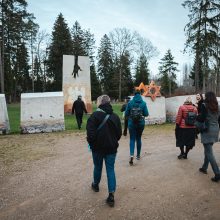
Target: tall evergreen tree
(142,72)
(105,64)
(14,36)
(61,44)
(127,83)
(202,34)
(167,71)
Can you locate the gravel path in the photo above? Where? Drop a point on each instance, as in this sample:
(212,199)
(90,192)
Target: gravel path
(52,181)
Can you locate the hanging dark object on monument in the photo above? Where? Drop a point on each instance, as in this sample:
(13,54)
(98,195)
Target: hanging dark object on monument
(76,67)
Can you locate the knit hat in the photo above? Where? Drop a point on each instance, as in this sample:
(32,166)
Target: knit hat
(188,100)
(103,99)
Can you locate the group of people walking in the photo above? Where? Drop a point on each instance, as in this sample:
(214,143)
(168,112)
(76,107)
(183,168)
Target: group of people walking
(104,132)
(207,112)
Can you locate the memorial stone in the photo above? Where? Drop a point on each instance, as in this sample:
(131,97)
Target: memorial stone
(76,81)
(42,112)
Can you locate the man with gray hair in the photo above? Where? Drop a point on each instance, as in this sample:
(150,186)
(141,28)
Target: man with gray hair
(103,133)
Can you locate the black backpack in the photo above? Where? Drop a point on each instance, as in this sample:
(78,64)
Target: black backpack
(136,114)
(190,118)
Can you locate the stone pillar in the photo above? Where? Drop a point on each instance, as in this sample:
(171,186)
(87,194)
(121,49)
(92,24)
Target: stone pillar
(80,85)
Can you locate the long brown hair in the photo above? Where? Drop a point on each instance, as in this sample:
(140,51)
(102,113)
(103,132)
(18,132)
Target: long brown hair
(211,101)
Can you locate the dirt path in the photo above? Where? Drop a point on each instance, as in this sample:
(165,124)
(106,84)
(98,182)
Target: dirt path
(50,175)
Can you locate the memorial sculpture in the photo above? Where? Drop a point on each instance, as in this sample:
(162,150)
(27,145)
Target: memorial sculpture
(155,102)
(76,83)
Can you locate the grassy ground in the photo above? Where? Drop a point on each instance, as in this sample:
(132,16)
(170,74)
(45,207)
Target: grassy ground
(70,120)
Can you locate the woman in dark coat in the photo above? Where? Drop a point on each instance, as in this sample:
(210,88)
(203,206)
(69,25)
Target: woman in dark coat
(210,112)
(185,134)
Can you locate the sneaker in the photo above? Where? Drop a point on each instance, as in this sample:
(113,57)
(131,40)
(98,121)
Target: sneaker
(184,156)
(138,157)
(215,178)
(95,187)
(131,161)
(110,200)
(202,170)
(180,156)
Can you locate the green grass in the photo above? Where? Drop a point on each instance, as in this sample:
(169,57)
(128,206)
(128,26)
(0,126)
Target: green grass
(70,120)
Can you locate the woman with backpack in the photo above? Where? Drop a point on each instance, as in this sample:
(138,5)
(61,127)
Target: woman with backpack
(185,129)
(136,111)
(210,112)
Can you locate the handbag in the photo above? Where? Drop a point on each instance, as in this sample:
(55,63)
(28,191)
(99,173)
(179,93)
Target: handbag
(202,126)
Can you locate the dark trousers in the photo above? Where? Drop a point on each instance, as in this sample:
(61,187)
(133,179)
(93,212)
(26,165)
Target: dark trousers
(79,120)
(125,126)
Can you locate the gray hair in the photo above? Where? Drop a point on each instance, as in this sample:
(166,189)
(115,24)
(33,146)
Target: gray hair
(103,99)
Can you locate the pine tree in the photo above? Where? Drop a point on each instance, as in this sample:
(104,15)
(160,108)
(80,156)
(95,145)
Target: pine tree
(167,71)
(14,36)
(127,83)
(61,44)
(202,34)
(142,71)
(105,64)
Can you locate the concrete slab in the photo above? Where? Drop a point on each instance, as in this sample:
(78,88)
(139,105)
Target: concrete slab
(4,121)
(42,112)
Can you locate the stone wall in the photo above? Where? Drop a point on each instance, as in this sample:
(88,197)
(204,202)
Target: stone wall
(42,112)
(4,121)
(81,85)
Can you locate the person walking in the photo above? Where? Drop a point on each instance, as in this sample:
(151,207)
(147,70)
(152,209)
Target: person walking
(103,133)
(185,131)
(136,111)
(123,108)
(210,112)
(78,108)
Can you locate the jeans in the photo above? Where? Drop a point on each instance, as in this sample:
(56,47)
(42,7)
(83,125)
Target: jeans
(135,135)
(110,169)
(210,158)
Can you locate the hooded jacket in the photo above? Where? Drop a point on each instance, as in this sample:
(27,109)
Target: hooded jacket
(136,101)
(105,140)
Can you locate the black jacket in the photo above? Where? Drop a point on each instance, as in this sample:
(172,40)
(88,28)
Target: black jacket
(79,107)
(106,139)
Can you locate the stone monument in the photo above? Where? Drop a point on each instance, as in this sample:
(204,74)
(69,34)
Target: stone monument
(4,122)
(76,81)
(42,112)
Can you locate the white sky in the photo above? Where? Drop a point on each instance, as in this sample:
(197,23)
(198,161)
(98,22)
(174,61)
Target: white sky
(160,21)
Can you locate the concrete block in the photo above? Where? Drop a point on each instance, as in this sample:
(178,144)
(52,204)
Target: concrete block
(42,112)
(4,121)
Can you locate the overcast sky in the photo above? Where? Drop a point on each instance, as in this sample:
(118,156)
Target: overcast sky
(160,21)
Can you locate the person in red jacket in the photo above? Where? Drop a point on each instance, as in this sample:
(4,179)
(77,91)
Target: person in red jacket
(185,133)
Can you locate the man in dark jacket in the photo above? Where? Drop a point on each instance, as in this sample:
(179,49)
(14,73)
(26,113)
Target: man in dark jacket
(78,108)
(123,108)
(103,133)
